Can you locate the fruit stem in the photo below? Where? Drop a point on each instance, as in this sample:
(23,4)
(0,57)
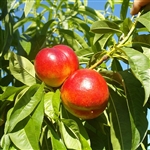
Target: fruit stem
(105,57)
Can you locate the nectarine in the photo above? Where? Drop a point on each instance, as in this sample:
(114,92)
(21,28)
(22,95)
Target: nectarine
(53,65)
(85,94)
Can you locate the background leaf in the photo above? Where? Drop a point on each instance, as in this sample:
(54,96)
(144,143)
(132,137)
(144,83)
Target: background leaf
(104,27)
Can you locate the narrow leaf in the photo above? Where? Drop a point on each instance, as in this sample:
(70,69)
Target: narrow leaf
(124,9)
(120,126)
(91,12)
(28,6)
(104,27)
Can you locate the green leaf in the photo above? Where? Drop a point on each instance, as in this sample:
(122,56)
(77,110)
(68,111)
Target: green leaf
(90,12)
(142,40)
(104,27)
(97,37)
(72,125)
(135,98)
(73,38)
(82,133)
(84,54)
(10,91)
(52,104)
(146,51)
(99,133)
(140,66)
(7,35)
(126,25)
(22,22)
(70,134)
(120,126)
(5,142)
(26,105)
(22,69)
(28,136)
(49,110)
(55,140)
(26,46)
(116,66)
(44,29)
(103,41)
(124,9)
(28,6)
(145,20)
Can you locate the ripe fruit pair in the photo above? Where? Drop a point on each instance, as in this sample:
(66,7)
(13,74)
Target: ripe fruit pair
(84,92)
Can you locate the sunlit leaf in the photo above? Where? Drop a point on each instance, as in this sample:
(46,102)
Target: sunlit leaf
(145,20)
(28,136)
(73,38)
(69,135)
(91,12)
(26,105)
(26,46)
(22,22)
(52,104)
(126,25)
(55,139)
(22,69)
(49,110)
(71,123)
(28,6)
(104,27)
(103,41)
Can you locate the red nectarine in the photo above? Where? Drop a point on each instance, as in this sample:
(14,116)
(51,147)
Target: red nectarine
(85,94)
(53,66)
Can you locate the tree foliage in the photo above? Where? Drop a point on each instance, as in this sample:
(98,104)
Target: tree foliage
(32,115)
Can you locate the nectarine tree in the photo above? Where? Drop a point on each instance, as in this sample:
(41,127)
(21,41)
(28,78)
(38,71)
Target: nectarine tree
(72,77)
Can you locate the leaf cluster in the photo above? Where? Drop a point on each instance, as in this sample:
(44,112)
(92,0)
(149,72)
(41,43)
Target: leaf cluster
(31,113)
